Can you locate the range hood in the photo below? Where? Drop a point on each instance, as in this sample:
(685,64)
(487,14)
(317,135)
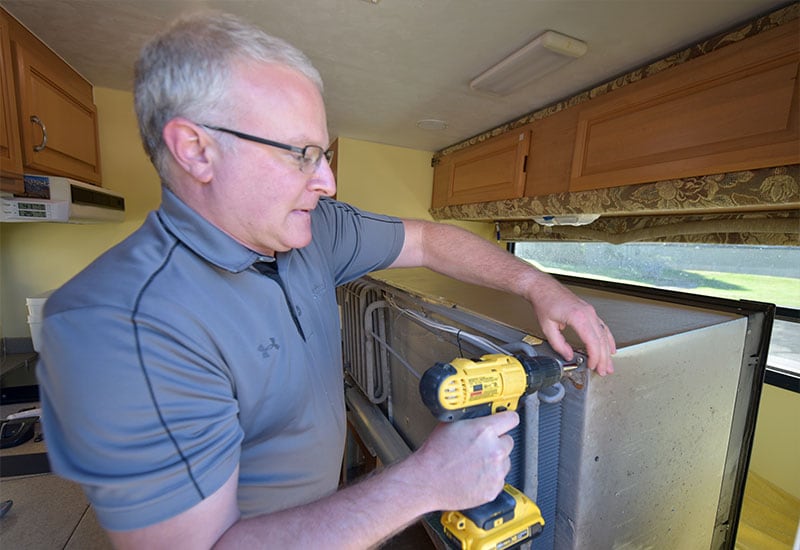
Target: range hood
(58,199)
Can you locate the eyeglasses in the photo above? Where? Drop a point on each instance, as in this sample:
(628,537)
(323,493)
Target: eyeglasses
(310,155)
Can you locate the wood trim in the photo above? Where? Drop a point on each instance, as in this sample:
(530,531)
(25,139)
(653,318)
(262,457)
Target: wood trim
(10,151)
(550,158)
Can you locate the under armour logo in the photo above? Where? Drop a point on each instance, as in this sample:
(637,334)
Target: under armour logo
(265,349)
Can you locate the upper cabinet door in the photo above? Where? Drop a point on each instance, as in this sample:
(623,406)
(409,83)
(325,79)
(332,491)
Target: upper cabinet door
(732,109)
(10,153)
(492,170)
(58,118)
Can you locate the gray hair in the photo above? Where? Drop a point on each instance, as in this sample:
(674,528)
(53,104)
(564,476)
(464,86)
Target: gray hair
(185,71)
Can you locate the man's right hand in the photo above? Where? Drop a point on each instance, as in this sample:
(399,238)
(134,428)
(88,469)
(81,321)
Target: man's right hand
(464,464)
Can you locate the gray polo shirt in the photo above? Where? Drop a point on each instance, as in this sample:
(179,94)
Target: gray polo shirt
(172,359)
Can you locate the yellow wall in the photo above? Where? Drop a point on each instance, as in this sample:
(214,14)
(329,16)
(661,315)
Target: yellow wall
(382,178)
(41,256)
(390,180)
(776,448)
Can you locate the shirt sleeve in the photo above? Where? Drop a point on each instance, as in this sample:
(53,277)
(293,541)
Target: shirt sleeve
(160,431)
(359,241)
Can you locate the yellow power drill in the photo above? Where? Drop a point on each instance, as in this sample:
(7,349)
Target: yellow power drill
(465,388)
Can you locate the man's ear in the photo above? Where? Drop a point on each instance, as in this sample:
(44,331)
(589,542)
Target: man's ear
(191,148)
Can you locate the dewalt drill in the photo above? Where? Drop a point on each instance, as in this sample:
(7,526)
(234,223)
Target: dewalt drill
(465,388)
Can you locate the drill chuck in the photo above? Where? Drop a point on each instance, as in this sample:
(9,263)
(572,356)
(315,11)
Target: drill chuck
(543,371)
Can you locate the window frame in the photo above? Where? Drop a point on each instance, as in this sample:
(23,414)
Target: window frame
(773,376)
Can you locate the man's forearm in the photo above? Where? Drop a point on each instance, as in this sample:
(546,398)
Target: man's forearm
(457,253)
(359,516)
(460,465)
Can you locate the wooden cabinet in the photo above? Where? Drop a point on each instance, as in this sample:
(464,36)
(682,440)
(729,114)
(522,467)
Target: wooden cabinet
(732,109)
(10,153)
(550,157)
(56,114)
(736,108)
(492,170)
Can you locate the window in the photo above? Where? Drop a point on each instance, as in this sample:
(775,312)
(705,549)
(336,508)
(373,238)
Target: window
(760,273)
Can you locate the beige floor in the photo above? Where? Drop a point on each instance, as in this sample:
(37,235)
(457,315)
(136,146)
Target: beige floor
(770,517)
(48,512)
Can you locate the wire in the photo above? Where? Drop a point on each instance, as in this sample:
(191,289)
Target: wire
(478,341)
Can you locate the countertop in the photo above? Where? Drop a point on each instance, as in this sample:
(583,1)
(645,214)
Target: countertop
(48,511)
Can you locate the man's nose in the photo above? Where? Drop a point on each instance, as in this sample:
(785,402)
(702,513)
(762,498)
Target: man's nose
(323,180)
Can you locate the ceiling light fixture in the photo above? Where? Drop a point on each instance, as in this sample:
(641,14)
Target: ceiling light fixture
(544,54)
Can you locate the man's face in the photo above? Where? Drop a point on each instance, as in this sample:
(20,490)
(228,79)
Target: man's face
(261,197)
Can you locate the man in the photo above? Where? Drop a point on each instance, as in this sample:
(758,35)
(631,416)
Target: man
(191,376)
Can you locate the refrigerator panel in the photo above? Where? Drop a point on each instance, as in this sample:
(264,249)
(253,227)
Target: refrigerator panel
(645,469)
(653,456)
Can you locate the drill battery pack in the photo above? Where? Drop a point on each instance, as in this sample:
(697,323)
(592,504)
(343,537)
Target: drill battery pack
(507,521)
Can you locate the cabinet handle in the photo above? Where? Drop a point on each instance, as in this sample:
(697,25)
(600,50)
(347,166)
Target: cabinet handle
(36,120)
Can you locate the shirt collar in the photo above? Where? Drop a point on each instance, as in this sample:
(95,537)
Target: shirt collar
(202,237)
